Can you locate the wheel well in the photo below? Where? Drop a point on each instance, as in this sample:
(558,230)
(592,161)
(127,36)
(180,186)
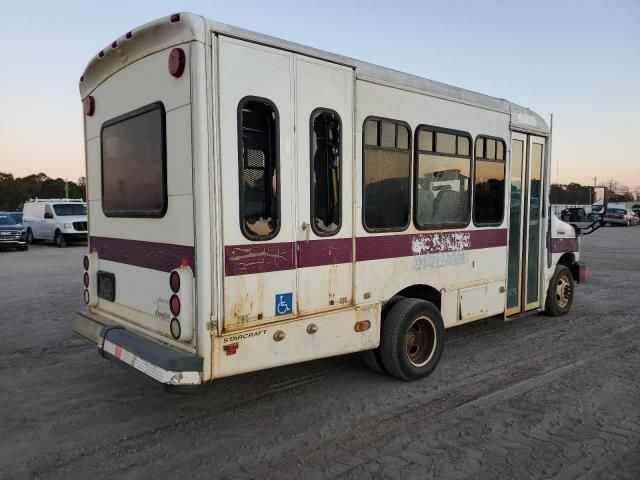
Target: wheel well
(567,260)
(423,292)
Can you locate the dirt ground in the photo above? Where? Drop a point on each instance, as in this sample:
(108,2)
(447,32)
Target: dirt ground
(539,397)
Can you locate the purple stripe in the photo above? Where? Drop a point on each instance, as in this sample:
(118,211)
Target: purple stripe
(331,251)
(258,258)
(394,246)
(163,257)
(562,245)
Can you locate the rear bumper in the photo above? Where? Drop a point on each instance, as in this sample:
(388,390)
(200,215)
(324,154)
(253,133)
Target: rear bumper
(159,362)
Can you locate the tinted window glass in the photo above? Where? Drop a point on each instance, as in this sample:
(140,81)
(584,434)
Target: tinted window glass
(463,146)
(442,182)
(325,172)
(445,143)
(388,136)
(386,182)
(133,164)
(491,148)
(67,209)
(371,132)
(403,137)
(488,197)
(425,140)
(258,159)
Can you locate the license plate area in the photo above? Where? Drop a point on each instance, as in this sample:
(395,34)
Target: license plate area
(106,286)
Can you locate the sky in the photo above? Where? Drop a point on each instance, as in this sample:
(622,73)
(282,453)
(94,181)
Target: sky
(579,60)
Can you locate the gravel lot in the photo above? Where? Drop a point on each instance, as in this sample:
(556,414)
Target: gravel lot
(539,397)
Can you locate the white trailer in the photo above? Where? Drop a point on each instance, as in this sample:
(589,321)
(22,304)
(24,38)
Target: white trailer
(256,203)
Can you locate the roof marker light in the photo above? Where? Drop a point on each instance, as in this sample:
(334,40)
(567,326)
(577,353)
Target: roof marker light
(114,44)
(82,78)
(176,62)
(184,262)
(89,105)
(128,35)
(101,53)
(174,18)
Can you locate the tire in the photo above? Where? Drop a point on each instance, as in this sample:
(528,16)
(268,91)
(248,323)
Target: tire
(59,239)
(30,238)
(560,292)
(412,339)
(372,358)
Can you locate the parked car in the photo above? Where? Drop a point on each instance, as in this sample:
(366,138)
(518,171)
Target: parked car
(12,233)
(17,216)
(58,220)
(574,214)
(620,216)
(636,209)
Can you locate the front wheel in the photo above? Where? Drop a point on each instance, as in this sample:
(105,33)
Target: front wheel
(412,339)
(560,292)
(59,239)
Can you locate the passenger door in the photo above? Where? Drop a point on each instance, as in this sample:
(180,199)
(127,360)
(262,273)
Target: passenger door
(255,118)
(526,228)
(324,161)
(48,223)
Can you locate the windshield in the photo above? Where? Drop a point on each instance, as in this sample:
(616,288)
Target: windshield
(6,220)
(616,211)
(67,209)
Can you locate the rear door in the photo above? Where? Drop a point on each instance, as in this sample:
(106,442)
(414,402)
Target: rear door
(324,146)
(255,85)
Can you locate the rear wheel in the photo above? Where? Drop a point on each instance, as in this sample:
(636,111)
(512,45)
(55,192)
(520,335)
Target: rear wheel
(29,236)
(560,292)
(59,239)
(412,339)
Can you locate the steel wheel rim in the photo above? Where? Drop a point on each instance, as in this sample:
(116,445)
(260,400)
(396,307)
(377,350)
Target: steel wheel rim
(563,291)
(420,341)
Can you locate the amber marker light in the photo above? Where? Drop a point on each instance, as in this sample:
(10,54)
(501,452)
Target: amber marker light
(362,326)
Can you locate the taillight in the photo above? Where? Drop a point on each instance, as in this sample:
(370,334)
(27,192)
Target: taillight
(174,305)
(174,281)
(85,279)
(85,262)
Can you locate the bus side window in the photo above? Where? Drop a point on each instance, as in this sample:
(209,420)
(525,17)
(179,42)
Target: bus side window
(442,177)
(386,172)
(489,181)
(326,172)
(259,168)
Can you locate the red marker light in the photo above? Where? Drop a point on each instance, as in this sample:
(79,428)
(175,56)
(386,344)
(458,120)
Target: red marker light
(184,262)
(89,105)
(114,44)
(175,18)
(128,35)
(176,62)
(230,349)
(101,53)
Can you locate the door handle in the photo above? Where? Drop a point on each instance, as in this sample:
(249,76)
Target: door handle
(305,228)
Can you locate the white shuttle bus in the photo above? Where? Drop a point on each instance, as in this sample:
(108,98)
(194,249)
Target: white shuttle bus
(255,203)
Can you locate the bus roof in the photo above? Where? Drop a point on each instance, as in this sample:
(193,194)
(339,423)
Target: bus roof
(163,33)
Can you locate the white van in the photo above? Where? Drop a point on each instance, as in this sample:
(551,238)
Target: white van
(257,203)
(61,220)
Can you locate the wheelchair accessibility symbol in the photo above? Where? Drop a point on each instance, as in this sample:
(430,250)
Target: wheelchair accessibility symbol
(284,303)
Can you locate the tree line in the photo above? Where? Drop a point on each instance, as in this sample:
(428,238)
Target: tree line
(15,191)
(576,194)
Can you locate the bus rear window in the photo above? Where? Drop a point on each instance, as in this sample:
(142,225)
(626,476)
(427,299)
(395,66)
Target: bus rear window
(134,182)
